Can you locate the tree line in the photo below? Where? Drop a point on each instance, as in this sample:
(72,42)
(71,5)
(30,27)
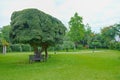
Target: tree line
(78,36)
(83,37)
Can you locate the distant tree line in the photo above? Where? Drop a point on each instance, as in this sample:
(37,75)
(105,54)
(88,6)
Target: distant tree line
(78,36)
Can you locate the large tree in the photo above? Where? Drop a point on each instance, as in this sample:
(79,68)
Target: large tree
(77,29)
(109,33)
(36,28)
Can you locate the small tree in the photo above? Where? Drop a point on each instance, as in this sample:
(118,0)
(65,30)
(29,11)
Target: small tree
(4,37)
(4,44)
(36,28)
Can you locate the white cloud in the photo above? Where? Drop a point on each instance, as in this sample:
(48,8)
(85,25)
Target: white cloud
(97,13)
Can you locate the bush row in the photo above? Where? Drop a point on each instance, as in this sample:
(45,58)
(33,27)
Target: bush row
(18,48)
(28,48)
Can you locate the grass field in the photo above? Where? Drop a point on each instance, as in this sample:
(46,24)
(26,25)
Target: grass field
(82,65)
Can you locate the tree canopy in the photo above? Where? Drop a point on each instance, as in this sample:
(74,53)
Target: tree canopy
(77,29)
(36,28)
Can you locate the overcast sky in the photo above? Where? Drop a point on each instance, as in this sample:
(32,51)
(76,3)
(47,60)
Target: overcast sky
(97,13)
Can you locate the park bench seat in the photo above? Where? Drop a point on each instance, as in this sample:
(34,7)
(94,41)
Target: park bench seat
(36,58)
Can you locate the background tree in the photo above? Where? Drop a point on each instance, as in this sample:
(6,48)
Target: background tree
(5,32)
(108,34)
(88,35)
(77,29)
(36,28)
(117,30)
(4,38)
(96,41)
(67,43)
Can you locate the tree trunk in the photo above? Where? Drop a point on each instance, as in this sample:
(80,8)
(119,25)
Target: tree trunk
(4,49)
(46,53)
(36,52)
(40,52)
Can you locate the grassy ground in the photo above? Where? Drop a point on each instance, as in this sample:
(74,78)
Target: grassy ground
(82,65)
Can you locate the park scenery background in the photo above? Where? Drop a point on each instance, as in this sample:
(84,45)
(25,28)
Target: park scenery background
(36,45)
(20,35)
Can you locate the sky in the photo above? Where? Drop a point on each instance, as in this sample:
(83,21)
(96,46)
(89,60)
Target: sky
(97,13)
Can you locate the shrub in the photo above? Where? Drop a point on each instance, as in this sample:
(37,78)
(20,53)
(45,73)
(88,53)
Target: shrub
(26,47)
(20,47)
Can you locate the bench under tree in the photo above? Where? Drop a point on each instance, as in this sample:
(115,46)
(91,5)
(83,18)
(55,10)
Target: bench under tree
(36,58)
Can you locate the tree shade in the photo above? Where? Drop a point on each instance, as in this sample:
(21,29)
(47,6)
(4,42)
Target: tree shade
(36,28)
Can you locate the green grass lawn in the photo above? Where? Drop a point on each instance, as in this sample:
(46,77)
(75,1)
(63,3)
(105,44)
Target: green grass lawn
(82,65)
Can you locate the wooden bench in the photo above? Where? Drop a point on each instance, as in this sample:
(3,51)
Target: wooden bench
(36,58)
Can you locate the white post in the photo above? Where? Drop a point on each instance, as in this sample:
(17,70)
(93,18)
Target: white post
(4,49)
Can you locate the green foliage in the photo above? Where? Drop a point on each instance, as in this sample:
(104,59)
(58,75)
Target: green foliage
(16,47)
(36,28)
(20,47)
(67,43)
(88,35)
(83,65)
(4,35)
(4,42)
(80,47)
(1,49)
(108,35)
(26,47)
(5,30)
(114,45)
(4,38)
(77,29)
(96,44)
(118,45)
(108,32)
(117,28)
